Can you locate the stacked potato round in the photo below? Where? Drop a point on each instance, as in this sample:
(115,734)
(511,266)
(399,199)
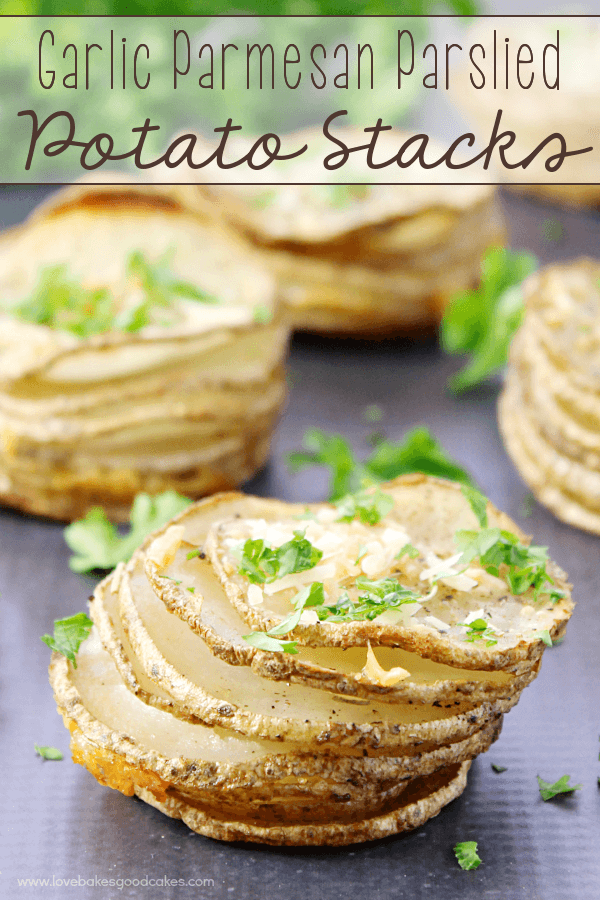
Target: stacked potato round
(367,730)
(549,412)
(188,401)
(358,259)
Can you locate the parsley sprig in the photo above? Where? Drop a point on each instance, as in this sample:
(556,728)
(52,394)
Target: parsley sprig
(97,544)
(419,451)
(261,563)
(503,554)
(481,323)
(69,635)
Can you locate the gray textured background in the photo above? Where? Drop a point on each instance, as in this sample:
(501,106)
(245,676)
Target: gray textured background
(57,821)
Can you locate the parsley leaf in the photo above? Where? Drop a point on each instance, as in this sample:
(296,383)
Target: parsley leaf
(483,322)
(97,544)
(48,752)
(418,452)
(477,502)
(544,636)
(262,640)
(526,566)
(479,630)
(562,786)
(369,507)
(499,769)
(261,563)
(408,550)
(313,595)
(466,854)
(69,635)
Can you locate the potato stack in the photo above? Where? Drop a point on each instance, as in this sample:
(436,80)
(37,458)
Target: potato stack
(141,349)
(193,693)
(549,412)
(358,259)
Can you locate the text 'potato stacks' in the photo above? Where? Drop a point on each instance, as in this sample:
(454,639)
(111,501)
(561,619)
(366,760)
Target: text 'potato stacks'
(302,675)
(549,412)
(141,349)
(357,259)
(561,99)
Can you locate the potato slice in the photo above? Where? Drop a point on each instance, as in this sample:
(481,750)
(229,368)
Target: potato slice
(430,511)
(205,686)
(207,611)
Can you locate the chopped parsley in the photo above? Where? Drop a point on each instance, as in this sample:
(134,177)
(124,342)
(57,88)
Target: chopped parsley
(544,636)
(197,551)
(263,641)
(367,506)
(548,790)
(262,314)
(60,302)
(97,544)
(407,550)
(261,563)
(479,630)
(69,635)
(48,752)
(482,322)
(466,854)
(419,451)
(524,567)
(374,598)
(499,769)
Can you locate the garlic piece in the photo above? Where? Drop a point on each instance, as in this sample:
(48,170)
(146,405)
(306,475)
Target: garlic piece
(376,673)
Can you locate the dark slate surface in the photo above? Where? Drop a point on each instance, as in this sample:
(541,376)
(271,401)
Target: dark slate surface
(57,823)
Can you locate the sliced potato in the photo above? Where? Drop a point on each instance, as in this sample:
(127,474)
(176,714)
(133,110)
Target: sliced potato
(430,511)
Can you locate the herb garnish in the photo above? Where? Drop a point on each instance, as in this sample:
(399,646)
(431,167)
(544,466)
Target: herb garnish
(261,563)
(479,630)
(374,598)
(524,566)
(466,854)
(69,635)
(419,451)
(60,302)
(97,544)
(48,752)
(370,507)
(499,769)
(548,790)
(482,322)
